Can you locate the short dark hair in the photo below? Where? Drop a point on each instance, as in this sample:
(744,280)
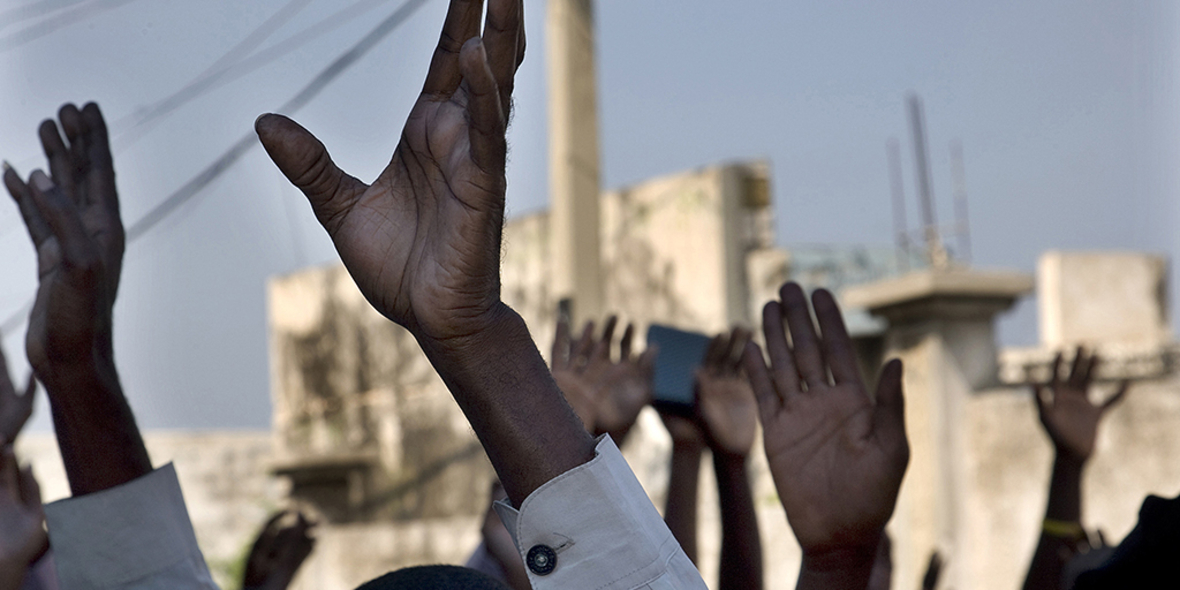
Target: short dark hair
(434,577)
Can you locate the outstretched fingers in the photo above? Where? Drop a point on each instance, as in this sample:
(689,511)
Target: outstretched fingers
(101,180)
(306,163)
(602,348)
(61,166)
(461,24)
(809,361)
(889,414)
(485,117)
(1117,396)
(559,358)
(786,376)
(21,193)
(770,401)
(837,345)
(78,256)
(626,342)
(502,31)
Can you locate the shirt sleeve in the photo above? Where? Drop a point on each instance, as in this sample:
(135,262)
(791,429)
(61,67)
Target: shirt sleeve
(136,536)
(594,527)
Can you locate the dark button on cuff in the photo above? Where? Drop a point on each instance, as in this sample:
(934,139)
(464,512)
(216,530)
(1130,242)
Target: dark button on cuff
(541,560)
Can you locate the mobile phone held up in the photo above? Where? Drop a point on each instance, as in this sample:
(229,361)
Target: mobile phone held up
(675,372)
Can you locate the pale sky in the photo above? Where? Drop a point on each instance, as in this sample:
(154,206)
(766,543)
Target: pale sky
(1065,109)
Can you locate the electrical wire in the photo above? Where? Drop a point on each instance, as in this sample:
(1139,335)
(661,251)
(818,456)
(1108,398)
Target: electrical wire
(218,167)
(57,22)
(33,10)
(215,77)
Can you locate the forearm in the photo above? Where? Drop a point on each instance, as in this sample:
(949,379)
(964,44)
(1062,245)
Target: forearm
(505,389)
(842,569)
(680,514)
(99,441)
(741,546)
(1064,507)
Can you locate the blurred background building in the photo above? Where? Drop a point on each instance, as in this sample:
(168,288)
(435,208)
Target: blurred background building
(366,436)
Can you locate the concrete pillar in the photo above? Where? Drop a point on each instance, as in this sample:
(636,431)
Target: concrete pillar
(573,156)
(941,326)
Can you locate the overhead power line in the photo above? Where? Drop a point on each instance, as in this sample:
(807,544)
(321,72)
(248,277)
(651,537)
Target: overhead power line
(52,24)
(231,67)
(214,170)
(33,10)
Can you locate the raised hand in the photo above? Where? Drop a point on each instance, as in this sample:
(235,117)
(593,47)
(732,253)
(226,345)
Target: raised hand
(1065,409)
(423,240)
(725,400)
(74,223)
(607,394)
(14,409)
(22,533)
(73,220)
(277,553)
(837,455)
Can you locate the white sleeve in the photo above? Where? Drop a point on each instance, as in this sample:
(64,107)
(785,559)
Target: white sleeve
(594,527)
(136,536)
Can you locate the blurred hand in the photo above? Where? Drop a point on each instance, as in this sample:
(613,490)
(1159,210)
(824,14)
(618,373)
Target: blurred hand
(14,409)
(933,571)
(279,550)
(22,534)
(423,240)
(725,400)
(73,220)
(607,394)
(837,456)
(1065,409)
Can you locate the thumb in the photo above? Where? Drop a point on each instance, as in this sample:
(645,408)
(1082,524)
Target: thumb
(305,161)
(889,421)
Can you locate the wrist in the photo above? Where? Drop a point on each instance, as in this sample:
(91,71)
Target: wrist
(477,333)
(843,567)
(729,461)
(1069,462)
(96,369)
(688,446)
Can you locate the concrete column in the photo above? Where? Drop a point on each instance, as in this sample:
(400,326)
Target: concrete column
(941,326)
(573,157)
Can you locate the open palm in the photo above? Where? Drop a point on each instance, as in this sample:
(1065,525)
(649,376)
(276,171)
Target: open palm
(837,456)
(1065,409)
(728,409)
(73,221)
(422,241)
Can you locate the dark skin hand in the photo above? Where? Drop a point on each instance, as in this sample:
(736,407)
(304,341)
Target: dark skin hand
(73,220)
(279,550)
(729,417)
(836,454)
(14,409)
(1071,421)
(680,512)
(423,243)
(22,534)
(607,393)
(933,571)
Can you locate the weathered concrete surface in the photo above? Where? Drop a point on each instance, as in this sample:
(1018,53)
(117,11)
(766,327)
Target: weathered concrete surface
(1008,462)
(1103,298)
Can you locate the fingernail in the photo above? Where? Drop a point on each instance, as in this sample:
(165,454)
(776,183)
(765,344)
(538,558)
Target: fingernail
(41,181)
(8,167)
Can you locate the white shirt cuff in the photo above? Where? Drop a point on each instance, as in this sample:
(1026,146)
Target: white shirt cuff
(133,536)
(596,528)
